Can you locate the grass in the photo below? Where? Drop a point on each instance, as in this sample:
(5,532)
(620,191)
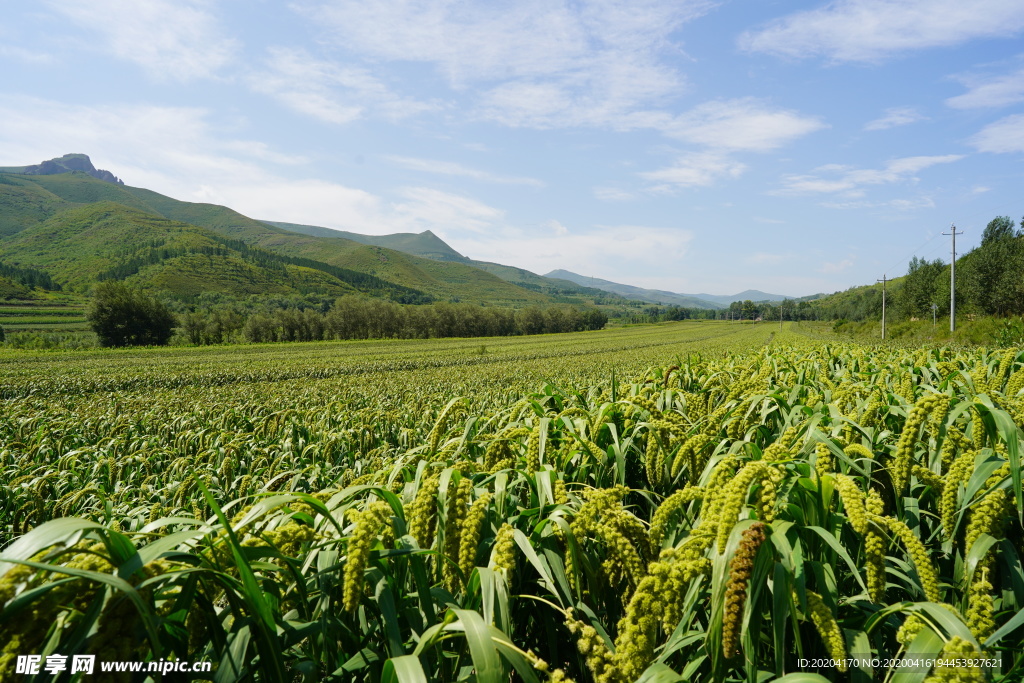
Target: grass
(971,329)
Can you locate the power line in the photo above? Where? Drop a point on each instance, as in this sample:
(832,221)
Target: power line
(912,254)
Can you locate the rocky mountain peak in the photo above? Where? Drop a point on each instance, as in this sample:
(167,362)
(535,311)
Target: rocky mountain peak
(69,163)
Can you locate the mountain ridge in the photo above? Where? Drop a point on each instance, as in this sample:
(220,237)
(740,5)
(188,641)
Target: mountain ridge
(659,296)
(422,262)
(425,244)
(28,200)
(69,163)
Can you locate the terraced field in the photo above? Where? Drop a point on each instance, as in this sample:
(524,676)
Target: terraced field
(33,317)
(690,501)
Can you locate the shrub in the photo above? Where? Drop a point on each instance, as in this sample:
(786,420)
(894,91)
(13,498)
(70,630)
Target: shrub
(122,316)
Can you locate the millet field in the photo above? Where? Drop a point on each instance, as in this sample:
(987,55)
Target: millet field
(692,501)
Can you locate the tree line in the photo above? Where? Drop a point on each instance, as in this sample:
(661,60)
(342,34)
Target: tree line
(122,316)
(29,277)
(354,317)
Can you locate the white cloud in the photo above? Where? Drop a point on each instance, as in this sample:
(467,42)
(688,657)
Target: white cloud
(261,150)
(723,128)
(606,95)
(555,227)
(623,249)
(744,124)
(25,55)
(425,208)
(871,30)
(998,91)
(481,41)
(831,267)
(852,181)
(1004,135)
(534,63)
(699,169)
(764,257)
(613,194)
(171,39)
(455,169)
(327,91)
(897,204)
(896,116)
(186,158)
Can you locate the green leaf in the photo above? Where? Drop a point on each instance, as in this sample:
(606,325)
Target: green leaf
(659,673)
(1009,434)
(115,582)
(253,596)
(1006,629)
(485,657)
(950,623)
(926,645)
(833,543)
(404,669)
(976,554)
(859,647)
(66,531)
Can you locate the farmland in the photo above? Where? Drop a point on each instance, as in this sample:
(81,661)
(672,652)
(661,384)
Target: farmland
(687,501)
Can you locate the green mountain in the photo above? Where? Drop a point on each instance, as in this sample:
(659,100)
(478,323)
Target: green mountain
(428,245)
(747,295)
(425,244)
(653,296)
(30,203)
(107,240)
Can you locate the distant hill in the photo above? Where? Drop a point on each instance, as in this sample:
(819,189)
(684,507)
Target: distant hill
(79,224)
(658,296)
(29,200)
(748,295)
(428,245)
(425,244)
(653,296)
(107,240)
(68,163)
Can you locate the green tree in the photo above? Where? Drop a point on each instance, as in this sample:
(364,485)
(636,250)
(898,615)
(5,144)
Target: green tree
(989,275)
(999,228)
(122,316)
(749,309)
(920,285)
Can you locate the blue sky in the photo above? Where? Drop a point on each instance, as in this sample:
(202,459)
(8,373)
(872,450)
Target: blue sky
(695,146)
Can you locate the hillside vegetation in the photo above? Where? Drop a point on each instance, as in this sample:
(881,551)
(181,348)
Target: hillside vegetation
(36,208)
(989,282)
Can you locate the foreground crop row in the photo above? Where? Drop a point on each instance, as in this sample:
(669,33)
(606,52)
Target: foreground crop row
(732,516)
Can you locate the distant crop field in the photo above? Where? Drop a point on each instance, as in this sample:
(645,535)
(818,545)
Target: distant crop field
(29,311)
(685,501)
(42,318)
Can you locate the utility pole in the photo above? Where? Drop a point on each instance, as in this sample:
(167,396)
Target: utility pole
(883,281)
(935,307)
(780,317)
(952,279)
